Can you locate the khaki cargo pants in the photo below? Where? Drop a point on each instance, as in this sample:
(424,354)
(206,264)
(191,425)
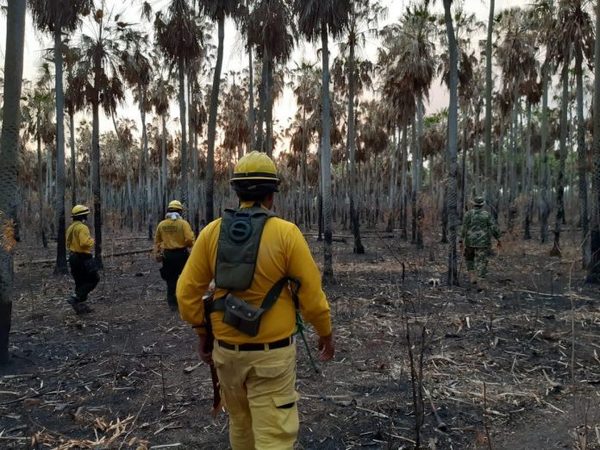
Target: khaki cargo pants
(258,391)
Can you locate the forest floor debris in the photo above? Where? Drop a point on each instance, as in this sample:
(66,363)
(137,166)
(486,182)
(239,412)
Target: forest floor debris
(497,364)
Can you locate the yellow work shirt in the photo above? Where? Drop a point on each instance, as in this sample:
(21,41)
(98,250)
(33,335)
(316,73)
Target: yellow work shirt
(283,251)
(78,238)
(172,234)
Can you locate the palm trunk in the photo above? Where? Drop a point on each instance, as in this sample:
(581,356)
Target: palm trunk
(594,265)
(252,143)
(261,105)
(326,160)
(560,205)
(96,161)
(308,204)
(146,164)
(9,148)
(393,181)
(182,119)
(73,158)
(528,177)
(163,162)
(41,187)
(488,103)
(61,250)
(582,160)
(463,170)
(452,146)
(212,125)
(544,202)
(403,185)
(351,145)
(269,106)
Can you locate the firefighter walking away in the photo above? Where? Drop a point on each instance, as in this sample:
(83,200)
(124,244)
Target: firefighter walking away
(263,273)
(83,267)
(174,236)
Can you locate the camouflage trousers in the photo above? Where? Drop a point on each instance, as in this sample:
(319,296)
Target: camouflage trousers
(476,259)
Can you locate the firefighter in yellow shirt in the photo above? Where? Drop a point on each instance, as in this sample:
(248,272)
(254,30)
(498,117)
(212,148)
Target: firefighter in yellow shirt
(83,268)
(173,238)
(252,256)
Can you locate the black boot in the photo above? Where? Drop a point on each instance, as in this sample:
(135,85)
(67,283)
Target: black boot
(79,306)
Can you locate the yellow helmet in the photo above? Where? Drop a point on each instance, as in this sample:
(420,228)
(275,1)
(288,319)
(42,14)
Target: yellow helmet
(80,210)
(255,166)
(175,204)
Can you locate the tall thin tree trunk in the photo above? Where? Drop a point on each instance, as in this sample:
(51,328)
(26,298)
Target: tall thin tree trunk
(544,201)
(594,265)
(182,119)
(73,158)
(528,177)
(582,159)
(163,161)
(61,250)
(40,181)
(269,106)
(404,185)
(212,124)
(452,146)
(9,151)
(326,160)
(252,142)
(488,103)
(560,188)
(260,135)
(351,145)
(97,193)
(146,163)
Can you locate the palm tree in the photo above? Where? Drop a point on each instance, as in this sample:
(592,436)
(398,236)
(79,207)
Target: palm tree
(594,265)
(56,17)
(74,101)
(488,100)
(178,37)
(543,16)
(451,196)
(576,25)
(136,69)
(363,14)
(160,95)
(561,51)
(271,30)
(323,18)
(9,151)
(39,116)
(411,68)
(517,56)
(216,10)
(305,87)
(98,76)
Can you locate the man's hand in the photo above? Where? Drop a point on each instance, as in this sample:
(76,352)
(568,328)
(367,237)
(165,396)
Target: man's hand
(206,357)
(326,348)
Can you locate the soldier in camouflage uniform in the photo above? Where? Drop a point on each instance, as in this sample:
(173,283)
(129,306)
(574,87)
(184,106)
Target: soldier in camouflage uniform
(477,231)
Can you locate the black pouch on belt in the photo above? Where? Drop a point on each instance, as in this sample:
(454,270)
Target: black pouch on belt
(241,315)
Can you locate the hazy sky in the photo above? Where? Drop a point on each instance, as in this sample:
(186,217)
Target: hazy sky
(234,55)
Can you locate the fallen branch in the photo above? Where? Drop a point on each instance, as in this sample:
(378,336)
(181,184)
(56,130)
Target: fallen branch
(52,261)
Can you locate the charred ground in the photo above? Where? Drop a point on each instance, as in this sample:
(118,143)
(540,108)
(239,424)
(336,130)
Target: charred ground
(127,375)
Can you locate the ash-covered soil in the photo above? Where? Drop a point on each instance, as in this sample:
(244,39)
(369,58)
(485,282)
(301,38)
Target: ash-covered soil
(514,359)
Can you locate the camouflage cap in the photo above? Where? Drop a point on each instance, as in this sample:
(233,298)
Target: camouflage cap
(478,201)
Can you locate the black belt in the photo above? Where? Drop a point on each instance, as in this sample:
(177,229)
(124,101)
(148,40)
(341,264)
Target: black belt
(257,347)
(175,249)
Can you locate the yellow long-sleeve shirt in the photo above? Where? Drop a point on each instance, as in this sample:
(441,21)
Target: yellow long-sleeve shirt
(173,234)
(283,251)
(79,239)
